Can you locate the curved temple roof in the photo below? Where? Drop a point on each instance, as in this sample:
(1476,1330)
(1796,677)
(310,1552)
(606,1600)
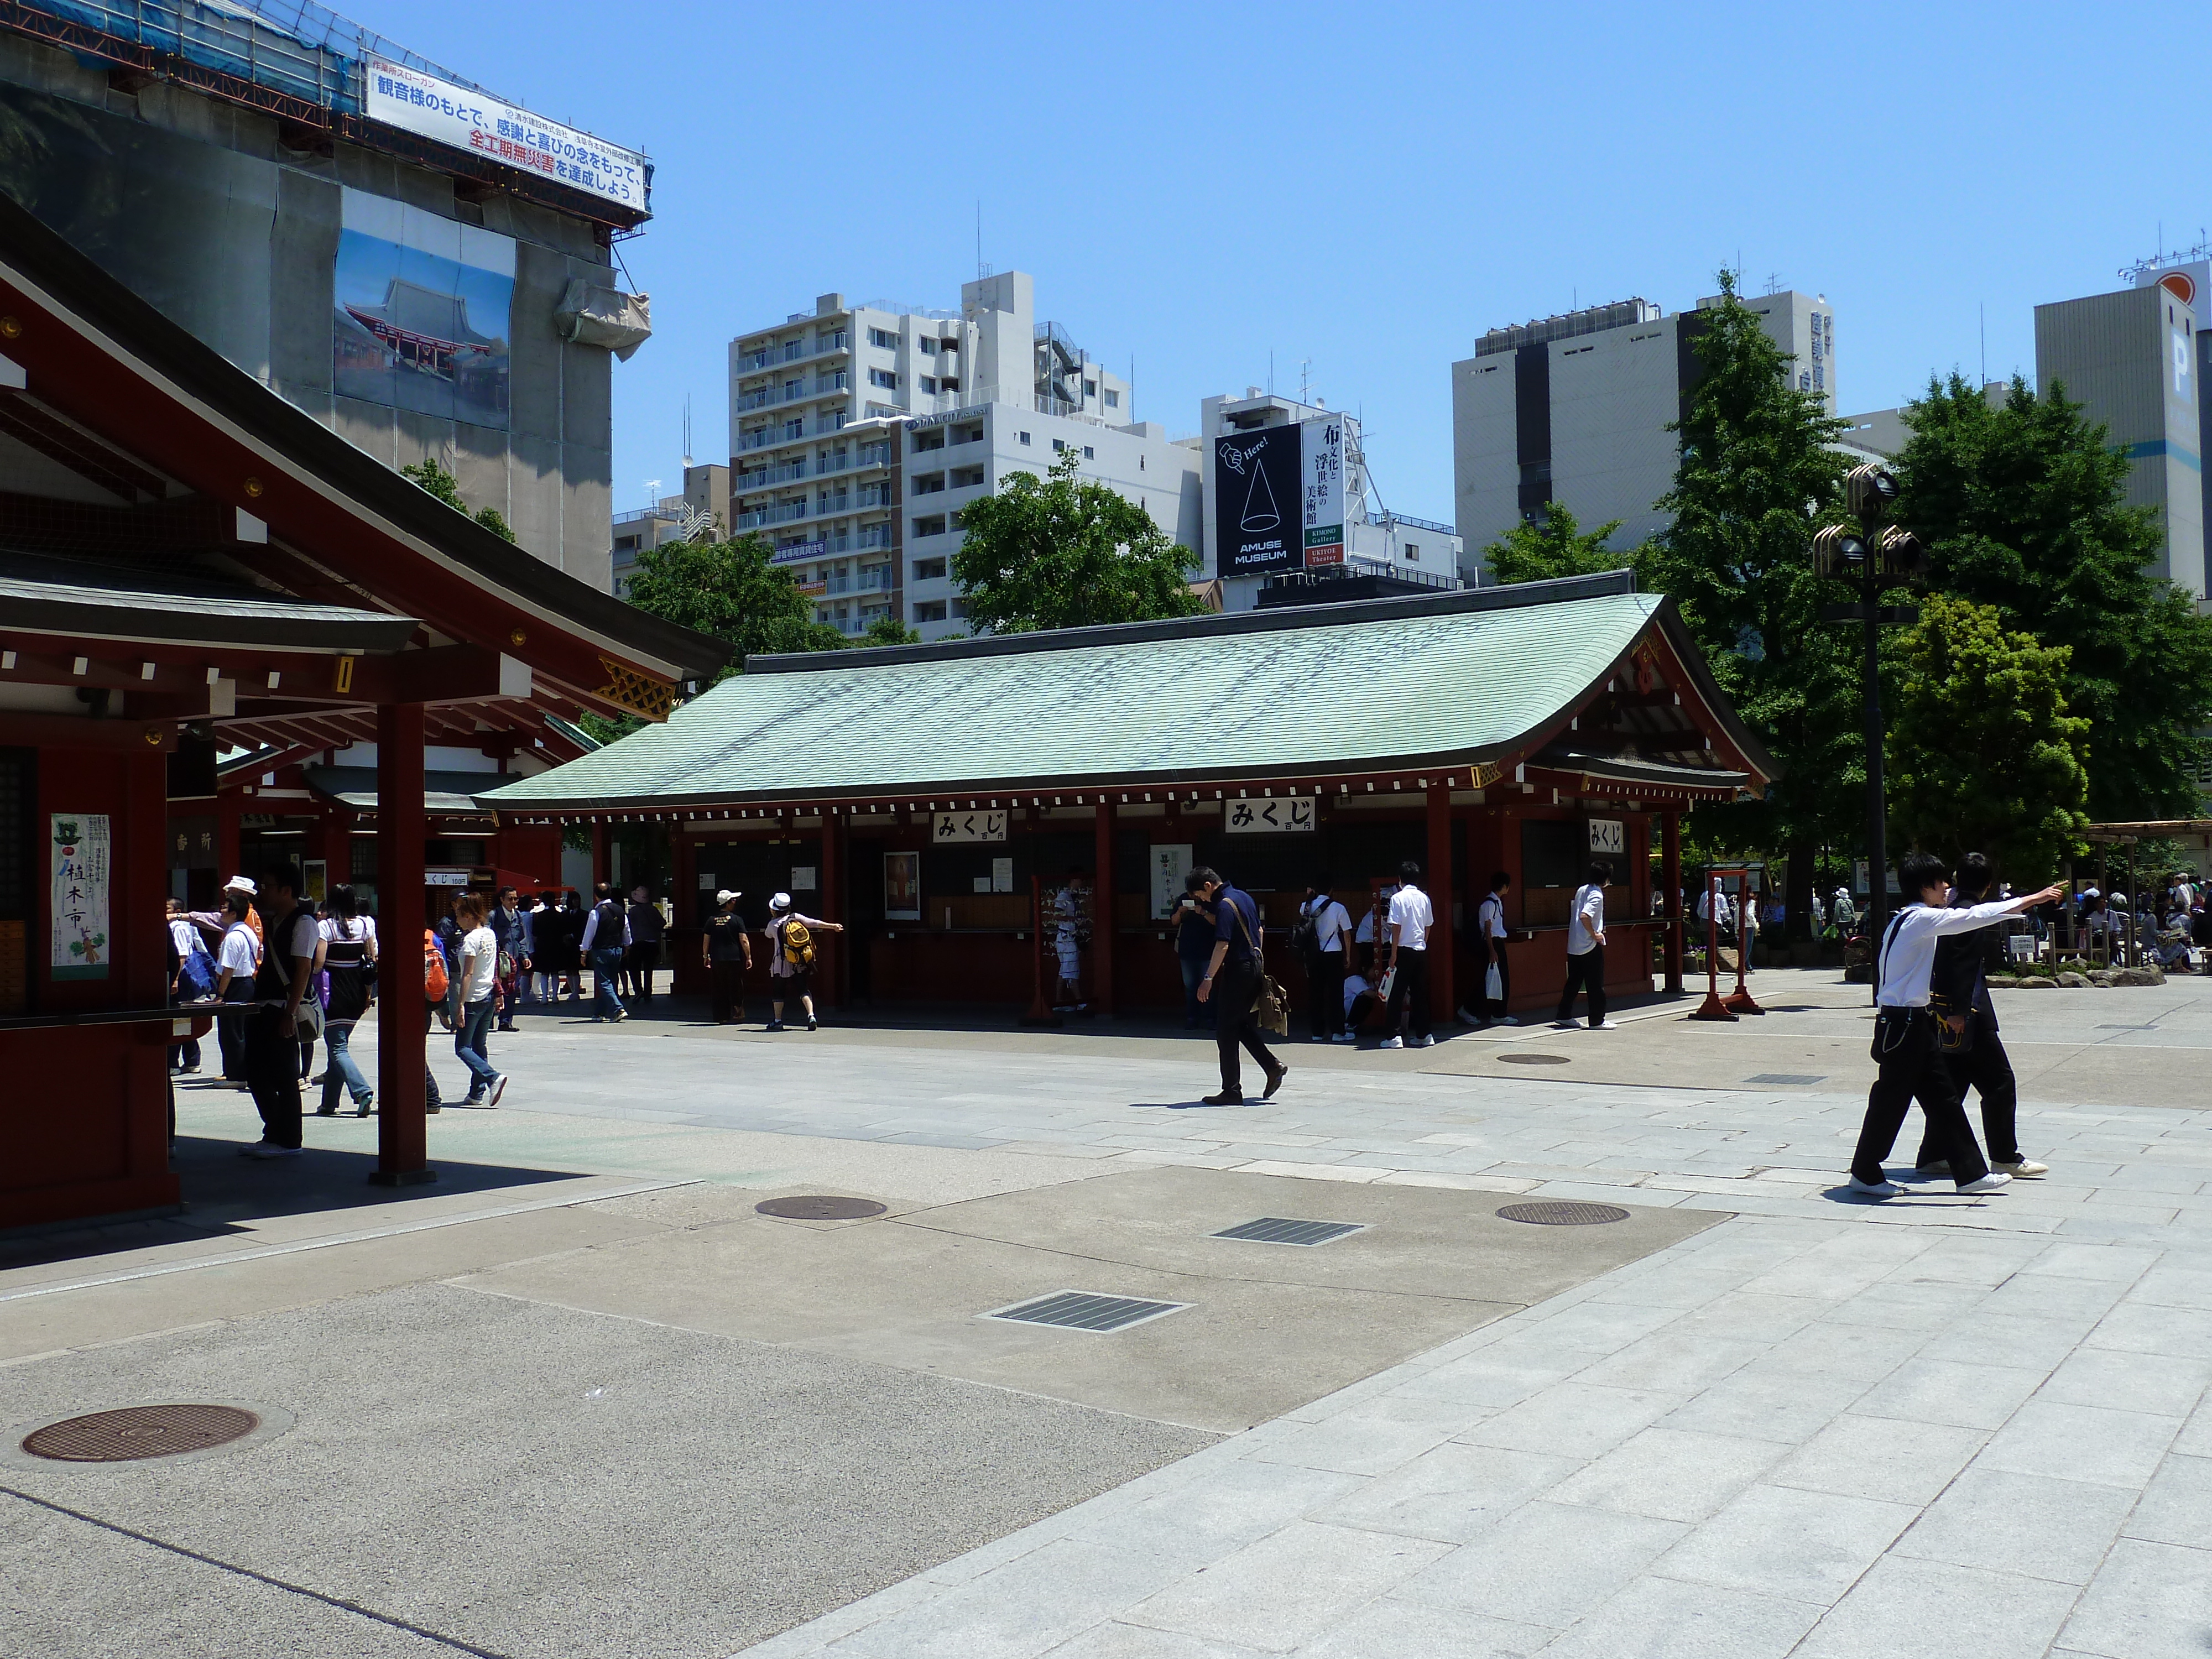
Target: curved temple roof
(1265,695)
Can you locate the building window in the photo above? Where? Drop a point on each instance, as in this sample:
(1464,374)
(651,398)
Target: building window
(967,478)
(883,339)
(929,484)
(1413,551)
(928,346)
(931,525)
(882,377)
(1057,446)
(929,382)
(929,610)
(1089,453)
(928,570)
(950,345)
(1089,389)
(1113,398)
(928,439)
(949,382)
(1025,437)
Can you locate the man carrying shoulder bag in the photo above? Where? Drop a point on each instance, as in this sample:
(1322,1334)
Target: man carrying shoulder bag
(1234,981)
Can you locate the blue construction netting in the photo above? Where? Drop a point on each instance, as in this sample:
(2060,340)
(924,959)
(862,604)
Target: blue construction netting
(291,46)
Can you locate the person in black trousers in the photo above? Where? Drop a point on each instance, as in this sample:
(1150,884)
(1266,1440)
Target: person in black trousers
(1232,985)
(272,1047)
(1973,1054)
(1331,943)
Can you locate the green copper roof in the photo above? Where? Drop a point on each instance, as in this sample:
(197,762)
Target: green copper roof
(1455,676)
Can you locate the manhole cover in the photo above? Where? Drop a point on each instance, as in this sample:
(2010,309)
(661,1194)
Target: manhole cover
(1087,1310)
(123,1436)
(1274,1230)
(1534,1059)
(813,1208)
(1563,1213)
(1791,1080)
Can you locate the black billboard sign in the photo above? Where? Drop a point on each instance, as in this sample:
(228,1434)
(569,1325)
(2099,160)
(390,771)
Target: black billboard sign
(1256,526)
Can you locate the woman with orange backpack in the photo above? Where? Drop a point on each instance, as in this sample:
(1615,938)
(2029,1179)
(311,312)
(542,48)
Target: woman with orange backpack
(791,959)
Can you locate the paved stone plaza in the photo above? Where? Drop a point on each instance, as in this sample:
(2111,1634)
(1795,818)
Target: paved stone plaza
(579,1399)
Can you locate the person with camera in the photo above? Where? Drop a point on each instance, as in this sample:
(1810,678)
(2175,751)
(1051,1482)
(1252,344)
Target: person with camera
(1906,1043)
(1231,984)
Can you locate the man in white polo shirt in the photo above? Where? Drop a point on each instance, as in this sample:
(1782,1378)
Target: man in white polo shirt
(1411,918)
(1586,952)
(1904,1044)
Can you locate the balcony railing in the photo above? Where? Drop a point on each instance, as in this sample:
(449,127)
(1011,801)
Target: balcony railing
(874,495)
(778,512)
(872,534)
(839,502)
(837,380)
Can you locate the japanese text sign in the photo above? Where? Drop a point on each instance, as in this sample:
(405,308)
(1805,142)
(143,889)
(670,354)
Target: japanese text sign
(484,125)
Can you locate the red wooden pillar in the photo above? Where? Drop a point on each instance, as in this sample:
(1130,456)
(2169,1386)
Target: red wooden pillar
(402,1155)
(1441,1004)
(1101,914)
(1670,873)
(138,877)
(834,907)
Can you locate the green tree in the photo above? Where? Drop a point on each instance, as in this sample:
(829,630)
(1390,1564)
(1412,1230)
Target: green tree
(1759,473)
(1060,552)
(888,630)
(1556,544)
(1977,693)
(729,590)
(2022,507)
(434,478)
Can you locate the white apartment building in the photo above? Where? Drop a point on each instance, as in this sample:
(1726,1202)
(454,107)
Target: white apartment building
(860,433)
(702,511)
(1575,409)
(1377,543)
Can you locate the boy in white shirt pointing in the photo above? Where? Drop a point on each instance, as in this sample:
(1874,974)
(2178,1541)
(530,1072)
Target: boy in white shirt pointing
(1905,1042)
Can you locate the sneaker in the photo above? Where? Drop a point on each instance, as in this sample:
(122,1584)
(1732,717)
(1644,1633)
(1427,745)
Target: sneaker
(264,1149)
(1391,1042)
(331,1110)
(361,1108)
(1992,1183)
(1507,1019)
(473,1099)
(812,1023)
(620,1014)
(1346,1036)
(498,1088)
(1876,1188)
(2026,1169)
(1428,1042)
(1606,1025)
(1467,1018)
(1274,1082)
(775,1025)
(256,1149)
(1563,1025)
(1222,1099)
(1939,1171)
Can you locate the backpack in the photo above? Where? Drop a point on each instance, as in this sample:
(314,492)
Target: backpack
(798,945)
(196,974)
(1305,937)
(436,982)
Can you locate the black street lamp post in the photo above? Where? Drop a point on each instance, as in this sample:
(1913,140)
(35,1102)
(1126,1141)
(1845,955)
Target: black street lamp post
(1870,559)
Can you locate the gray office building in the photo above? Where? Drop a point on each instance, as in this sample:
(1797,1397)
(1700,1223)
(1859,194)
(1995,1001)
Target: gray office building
(1575,409)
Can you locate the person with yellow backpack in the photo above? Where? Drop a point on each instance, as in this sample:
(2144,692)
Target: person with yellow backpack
(790,960)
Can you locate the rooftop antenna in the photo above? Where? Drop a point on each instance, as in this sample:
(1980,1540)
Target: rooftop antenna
(652,492)
(687,432)
(1305,364)
(980,272)
(1982,310)
(1271,374)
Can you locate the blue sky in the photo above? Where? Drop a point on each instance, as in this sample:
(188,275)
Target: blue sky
(1366,187)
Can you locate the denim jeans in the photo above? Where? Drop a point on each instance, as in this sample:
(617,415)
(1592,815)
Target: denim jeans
(1194,1012)
(469,1044)
(343,1069)
(607,965)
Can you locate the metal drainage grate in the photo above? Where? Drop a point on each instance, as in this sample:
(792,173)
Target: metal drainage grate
(1087,1310)
(812,1208)
(1534,1059)
(1563,1213)
(1274,1230)
(137,1432)
(1786,1079)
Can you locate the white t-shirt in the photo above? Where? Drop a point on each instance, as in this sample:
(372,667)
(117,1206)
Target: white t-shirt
(1490,919)
(186,936)
(353,930)
(1587,920)
(1354,989)
(240,953)
(479,963)
(1331,922)
(1411,918)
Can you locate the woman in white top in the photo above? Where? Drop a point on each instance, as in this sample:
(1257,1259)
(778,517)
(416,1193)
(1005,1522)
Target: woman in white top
(348,956)
(1326,961)
(238,958)
(479,973)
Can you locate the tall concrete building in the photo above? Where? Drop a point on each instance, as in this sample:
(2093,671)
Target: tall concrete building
(2131,359)
(1575,409)
(702,511)
(415,262)
(1395,547)
(861,432)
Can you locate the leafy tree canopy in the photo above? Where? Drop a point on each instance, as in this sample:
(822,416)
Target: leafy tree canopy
(434,478)
(1556,544)
(1986,756)
(729,590)
(1063,552)
(1758,474)
(888,630)
(2023,508)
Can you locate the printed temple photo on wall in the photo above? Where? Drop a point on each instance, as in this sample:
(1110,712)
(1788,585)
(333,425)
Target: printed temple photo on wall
(421,312)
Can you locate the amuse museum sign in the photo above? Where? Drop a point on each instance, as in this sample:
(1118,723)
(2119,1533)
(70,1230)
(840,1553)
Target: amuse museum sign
(1279,501)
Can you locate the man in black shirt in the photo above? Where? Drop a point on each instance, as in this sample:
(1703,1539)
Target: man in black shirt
(727,950)
(1232,985)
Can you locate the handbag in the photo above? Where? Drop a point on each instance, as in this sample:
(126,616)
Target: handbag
(1271,1008)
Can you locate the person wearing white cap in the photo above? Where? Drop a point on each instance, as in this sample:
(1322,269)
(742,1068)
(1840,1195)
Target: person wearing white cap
(791,959)
(727,950)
